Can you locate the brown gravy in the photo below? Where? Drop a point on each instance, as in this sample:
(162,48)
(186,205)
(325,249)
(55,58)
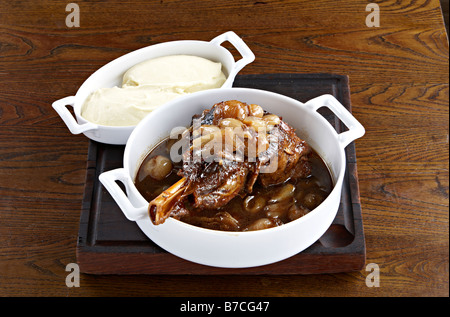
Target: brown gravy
(263,208)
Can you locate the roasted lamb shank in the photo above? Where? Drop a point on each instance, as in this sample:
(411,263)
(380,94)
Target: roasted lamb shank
(230,147)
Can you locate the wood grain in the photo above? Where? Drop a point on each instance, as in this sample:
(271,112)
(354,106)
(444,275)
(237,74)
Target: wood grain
(399,88)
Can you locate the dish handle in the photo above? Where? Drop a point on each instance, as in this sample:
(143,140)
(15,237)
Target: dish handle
(355,129)
(109,180)
(242,48)
(74,127)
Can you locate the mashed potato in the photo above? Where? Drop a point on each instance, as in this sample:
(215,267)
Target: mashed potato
(149,85)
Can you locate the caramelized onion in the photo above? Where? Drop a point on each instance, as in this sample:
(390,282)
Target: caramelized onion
(158,167)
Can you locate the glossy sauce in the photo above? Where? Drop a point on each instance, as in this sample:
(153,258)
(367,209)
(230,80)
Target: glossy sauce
(263,208)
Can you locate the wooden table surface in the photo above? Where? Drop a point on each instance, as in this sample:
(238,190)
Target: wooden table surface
(399,91)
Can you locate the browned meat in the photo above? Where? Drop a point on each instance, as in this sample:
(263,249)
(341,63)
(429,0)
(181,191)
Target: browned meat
(292,156)
(214,183)
(218,184)
(221,220)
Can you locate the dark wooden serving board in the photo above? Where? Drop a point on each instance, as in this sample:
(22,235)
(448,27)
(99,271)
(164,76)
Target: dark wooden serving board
(110,244)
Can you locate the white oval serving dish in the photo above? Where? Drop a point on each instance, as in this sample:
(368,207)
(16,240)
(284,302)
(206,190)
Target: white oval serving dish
(111,74)
(236,249)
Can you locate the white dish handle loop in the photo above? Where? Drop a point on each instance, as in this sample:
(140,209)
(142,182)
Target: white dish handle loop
(67,117)
(108,179)
(242,48)
(355,129)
